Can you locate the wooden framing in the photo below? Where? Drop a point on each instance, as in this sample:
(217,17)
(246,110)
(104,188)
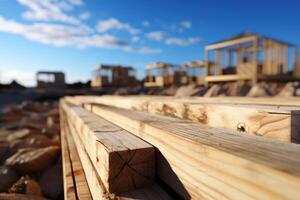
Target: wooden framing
(113,76)
(75,183)
(123,161)
(50,81)
(200,162)
(276,122)
(273,64)
(166,75)
(193,72)
(96,187)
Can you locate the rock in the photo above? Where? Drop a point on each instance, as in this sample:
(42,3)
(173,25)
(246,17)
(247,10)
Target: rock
(51,182)
(19,134)
(50,132)
(26,185)
(3,134)
(33,107)
(53,122)
(258,90)
(170,91)
(30,160)
(7,178)
(272,88)
(201,91)
(56,140)
(35,141)
(53,113)
(4,151)
(10,117)
(53,126)
(5,196)
(212,91)
(122,91)
(186,91)
(287,91)
(35,125)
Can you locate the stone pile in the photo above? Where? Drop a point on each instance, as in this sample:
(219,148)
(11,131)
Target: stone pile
(30,161)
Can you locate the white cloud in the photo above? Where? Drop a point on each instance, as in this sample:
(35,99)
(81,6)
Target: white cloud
(48,10)
(156,35)
(186,24)
(84,15)
(115,24)
(68,35)
(147,50)
(135,39)
(76,2)
(145,23)
(162,36)
(182,41)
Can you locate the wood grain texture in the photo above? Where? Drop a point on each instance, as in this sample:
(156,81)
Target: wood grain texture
(123,161)
(94,182)
(75,185)
(96,186)
(277,122)
(201,162)
(69,188)
(82,188)
(98,190)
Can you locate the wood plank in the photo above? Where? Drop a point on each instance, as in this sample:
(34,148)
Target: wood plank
(279,123)
(94,182)
(230,43)
(201,162)
(271,101)
(123,161)
(97,188)
(69,188)
(82,188)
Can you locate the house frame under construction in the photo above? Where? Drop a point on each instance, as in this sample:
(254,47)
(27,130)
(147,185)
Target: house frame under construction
(50,80)
(113,76)
(251,57)
(161,74)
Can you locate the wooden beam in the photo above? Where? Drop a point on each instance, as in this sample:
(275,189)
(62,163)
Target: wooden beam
(123,161)
(218,63)
(97,187)
(228,77)
(201,162)
(206,62)
(255,59)
(279,123)
(81,185)
(285,59)
(230,43)
(69,188)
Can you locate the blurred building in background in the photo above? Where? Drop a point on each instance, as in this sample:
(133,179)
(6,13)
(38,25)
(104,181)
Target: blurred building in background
(161,74)
(113,76)
(252,57)
(50,81)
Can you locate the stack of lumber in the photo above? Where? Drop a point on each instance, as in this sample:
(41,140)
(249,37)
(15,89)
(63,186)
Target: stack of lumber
(191,148)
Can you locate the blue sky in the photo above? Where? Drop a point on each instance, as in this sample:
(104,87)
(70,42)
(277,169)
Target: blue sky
(75,35)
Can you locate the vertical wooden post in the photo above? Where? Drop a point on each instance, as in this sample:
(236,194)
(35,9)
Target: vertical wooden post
(206,61)
(285,58)
(218,62)
(265,57)
(228,57)
(255,62)
(296,71)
